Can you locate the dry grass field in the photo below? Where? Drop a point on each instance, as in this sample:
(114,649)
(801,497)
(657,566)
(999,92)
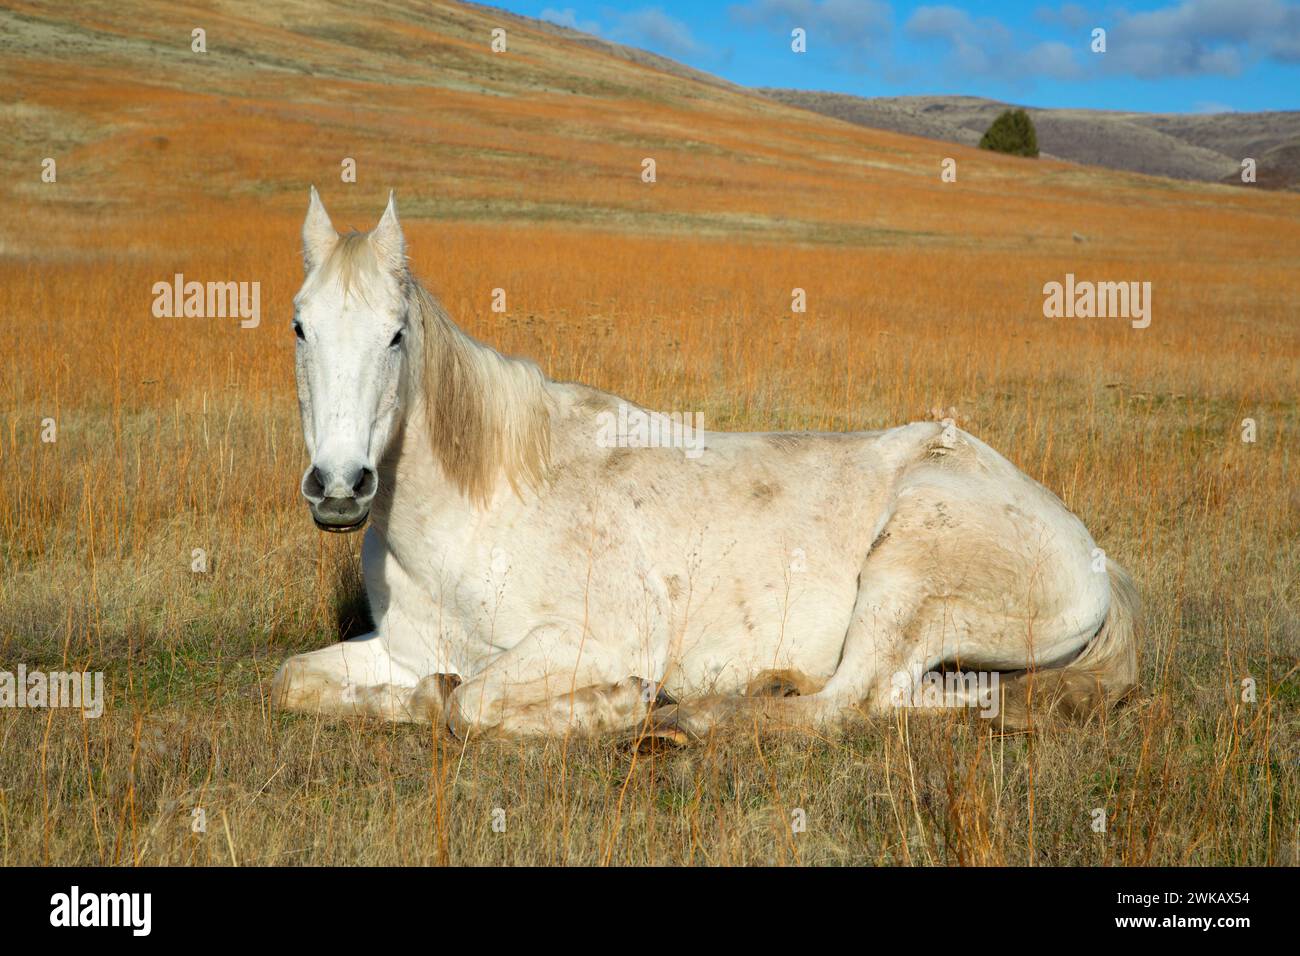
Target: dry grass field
(522,171)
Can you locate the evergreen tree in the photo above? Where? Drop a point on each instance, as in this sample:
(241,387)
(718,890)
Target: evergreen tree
(1012,132)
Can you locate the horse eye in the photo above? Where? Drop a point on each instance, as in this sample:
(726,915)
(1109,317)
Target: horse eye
(297,330)
(397,340)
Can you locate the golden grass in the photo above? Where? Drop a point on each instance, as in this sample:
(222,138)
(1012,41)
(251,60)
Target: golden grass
(175,434)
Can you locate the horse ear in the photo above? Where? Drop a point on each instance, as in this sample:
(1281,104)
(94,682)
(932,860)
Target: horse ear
(318,235)
(387,240)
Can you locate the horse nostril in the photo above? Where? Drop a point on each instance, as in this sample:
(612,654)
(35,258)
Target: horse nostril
(314,484)
(365,483)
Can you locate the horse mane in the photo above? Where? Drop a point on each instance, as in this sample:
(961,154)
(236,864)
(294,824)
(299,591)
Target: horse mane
(486,412)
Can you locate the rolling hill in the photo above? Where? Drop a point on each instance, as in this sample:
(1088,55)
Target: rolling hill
(555,129)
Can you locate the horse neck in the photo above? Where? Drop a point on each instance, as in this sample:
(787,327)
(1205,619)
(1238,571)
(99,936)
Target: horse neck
(485,418)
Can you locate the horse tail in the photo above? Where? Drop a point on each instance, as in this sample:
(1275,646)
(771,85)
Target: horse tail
(1101,676)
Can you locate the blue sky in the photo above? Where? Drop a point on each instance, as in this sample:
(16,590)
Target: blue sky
(1171,56)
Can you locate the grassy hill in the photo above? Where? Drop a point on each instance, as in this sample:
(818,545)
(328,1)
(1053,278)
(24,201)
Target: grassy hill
(553,130)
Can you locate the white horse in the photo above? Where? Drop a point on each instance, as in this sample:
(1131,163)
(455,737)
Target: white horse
(525,577)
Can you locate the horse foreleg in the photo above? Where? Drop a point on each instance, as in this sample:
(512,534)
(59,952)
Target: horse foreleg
(349,678)
(549,683)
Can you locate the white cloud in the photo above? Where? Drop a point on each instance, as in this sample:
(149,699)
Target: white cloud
(858,30)
(655,30)
(1196,37)
(1053,59)
(1184,38)
(984,47)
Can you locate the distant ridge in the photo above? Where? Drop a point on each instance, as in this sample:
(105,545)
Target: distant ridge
(1202,147)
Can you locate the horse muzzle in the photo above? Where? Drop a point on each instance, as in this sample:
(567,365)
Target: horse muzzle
(339,515)
(340,500)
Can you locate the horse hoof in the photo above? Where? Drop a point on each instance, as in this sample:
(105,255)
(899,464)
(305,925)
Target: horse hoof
(658,740)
